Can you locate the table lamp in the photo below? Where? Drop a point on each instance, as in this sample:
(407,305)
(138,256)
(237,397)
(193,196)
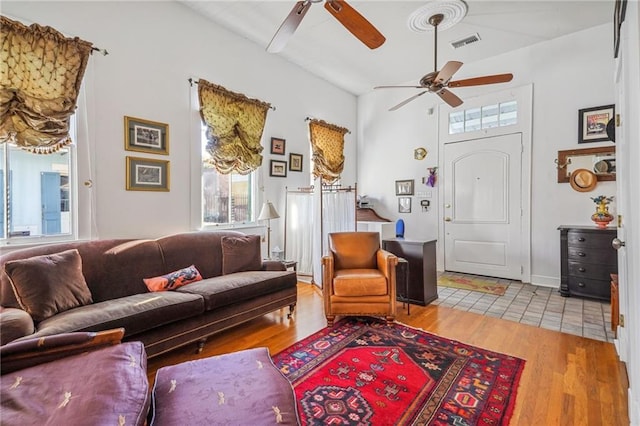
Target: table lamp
(267,213)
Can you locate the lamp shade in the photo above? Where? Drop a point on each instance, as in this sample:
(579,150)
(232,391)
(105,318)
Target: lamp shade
(268,212)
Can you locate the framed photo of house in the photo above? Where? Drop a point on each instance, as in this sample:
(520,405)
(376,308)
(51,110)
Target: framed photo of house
(404,187)
(404,204)
(146,136)
(277,146)
(295,162)
(278,168)
(592,123)
(146,174)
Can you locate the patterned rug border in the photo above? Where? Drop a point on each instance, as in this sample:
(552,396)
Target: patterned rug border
(370,321)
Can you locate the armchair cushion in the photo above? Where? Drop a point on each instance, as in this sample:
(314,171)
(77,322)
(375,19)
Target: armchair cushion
(49,284)
(359,282)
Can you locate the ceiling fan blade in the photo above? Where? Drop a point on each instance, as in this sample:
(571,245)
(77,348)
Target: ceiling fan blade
(406,101)
(449,69)
(478,81)
(449,97)
(355,23)
(288,26)
(395,87)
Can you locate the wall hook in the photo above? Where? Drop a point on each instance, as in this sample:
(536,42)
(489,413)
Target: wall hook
(562,166)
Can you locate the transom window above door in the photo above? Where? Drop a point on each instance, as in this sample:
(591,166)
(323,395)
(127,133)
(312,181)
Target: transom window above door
(485,117)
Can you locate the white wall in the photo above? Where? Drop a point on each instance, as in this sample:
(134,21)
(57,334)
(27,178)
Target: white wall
(154,47)
(568,73)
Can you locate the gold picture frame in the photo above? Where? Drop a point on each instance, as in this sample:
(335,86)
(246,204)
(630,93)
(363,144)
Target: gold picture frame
(147,174)
(146,136)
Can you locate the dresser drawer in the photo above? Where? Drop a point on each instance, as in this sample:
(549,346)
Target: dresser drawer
(589,239)
(591,270)
(597,289)
(600,256)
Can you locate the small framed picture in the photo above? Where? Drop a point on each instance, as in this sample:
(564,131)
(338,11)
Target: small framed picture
(146,174)
(146,136)
(404,187)
(277,146)
(592,123)
(295,162)
(278,168)
(404,204)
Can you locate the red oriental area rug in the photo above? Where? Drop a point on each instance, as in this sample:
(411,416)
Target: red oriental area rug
(364,371)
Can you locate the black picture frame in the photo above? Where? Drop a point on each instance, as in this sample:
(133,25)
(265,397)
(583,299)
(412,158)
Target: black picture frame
(278,168)
(295,162)
(592,123)
(278,146)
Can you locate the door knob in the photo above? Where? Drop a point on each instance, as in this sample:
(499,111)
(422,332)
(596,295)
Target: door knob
(617,244)
(447,219)
(447,206)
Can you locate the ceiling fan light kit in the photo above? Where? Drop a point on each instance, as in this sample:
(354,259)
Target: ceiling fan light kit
(440,14)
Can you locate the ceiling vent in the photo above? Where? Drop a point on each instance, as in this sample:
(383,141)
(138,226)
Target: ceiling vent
(467,40)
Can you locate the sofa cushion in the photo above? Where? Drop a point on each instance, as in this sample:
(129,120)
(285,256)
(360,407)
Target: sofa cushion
(103,387)
(49,284)
(241,286)
(173,280)
(137,313)
(241,254)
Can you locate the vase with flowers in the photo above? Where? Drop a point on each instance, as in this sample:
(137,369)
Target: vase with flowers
(602,217)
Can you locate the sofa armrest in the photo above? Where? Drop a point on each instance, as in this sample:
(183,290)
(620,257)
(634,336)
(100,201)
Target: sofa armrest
(37,350)
(14,323)
(273,265)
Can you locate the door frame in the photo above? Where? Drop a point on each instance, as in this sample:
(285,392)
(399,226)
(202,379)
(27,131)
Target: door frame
(524,97)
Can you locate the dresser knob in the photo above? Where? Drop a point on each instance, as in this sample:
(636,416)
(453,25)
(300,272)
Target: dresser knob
(581,239)
(581,254)
(580,284)
(581,269)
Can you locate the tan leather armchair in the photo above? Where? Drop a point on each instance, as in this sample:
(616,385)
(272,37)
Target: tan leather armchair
(358,277)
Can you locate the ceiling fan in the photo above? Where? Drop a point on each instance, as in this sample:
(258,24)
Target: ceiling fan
(438,82)
(341,10)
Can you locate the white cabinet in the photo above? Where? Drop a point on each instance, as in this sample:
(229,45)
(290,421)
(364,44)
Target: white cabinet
(387,230)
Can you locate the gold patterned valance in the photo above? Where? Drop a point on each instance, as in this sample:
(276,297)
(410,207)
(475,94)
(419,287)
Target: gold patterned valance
(40,76)
(234,128)
(327,143)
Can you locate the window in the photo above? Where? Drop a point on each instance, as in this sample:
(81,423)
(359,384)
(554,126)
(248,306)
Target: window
(486,117)
(226,199)
(36,195)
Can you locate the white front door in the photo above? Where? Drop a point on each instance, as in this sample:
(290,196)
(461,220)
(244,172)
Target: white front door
(482,206)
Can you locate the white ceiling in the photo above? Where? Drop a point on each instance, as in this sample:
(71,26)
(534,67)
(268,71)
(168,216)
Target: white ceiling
(324,47)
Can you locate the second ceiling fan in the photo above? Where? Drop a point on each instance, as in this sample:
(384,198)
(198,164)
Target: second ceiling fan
(350,18)
(439,82)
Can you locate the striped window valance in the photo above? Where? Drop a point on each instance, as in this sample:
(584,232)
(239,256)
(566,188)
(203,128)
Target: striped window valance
(40,76)
(234,128)
(327,144)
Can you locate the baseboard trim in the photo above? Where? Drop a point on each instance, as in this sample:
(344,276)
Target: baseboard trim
(544,281)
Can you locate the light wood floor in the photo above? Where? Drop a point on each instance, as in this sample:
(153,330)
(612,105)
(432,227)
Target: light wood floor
(567,380)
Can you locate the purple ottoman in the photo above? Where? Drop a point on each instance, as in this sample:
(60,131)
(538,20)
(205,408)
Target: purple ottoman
(240,388)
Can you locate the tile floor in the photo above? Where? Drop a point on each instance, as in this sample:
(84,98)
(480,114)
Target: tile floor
(534,305)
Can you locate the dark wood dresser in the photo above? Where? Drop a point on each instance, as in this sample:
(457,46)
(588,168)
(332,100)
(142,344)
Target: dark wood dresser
(587,261)
(422,276)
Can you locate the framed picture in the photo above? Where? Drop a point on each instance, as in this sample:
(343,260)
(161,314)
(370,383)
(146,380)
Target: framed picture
(146,174)
(295,162)
(146,136)
(277,146)
(404,187)
(592,123)
(404,204)
(278,168)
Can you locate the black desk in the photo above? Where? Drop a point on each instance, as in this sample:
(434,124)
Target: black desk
(422,276)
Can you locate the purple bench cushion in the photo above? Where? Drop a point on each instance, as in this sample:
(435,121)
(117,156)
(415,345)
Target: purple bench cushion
(240,388)
(105,387)
(137,313)
(229,289)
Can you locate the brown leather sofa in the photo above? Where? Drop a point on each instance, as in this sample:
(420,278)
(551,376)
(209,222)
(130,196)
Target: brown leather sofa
(114,270)
(358,277)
